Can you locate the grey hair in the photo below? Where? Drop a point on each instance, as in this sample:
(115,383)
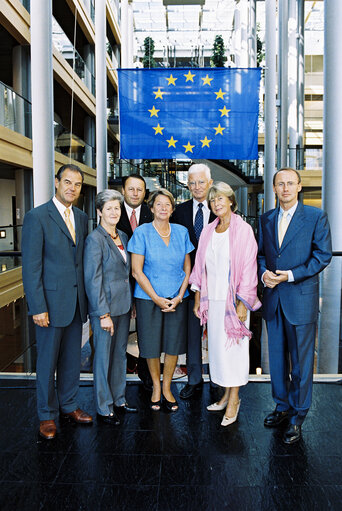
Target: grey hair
(199,167)
(106,196)
(221,188)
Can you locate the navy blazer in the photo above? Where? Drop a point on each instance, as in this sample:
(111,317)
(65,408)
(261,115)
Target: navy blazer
(106,274)
(53,264)
(306,250)
(183,215)
(125,226)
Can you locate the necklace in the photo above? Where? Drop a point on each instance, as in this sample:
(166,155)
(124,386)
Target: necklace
(115,235)
(162,235)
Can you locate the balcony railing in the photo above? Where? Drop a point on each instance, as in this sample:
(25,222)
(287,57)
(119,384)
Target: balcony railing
(73,146)
(15,111)
(66,48)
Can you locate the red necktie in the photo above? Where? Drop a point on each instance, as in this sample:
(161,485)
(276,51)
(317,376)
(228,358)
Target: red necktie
(133,221)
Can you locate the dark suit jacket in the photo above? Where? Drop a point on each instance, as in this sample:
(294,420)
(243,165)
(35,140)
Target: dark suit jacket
(183,215)
(125,226)
(53,265)
(106,274)
(306,250)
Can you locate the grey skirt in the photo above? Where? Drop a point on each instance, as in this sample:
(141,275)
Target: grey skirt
(161,332)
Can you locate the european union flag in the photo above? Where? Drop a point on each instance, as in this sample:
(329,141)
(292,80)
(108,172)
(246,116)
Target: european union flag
(196,113)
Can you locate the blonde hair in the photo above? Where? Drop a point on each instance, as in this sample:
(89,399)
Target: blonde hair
(221,188)
(161,191)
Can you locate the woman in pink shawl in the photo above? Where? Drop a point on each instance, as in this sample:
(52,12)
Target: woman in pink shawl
(225,280)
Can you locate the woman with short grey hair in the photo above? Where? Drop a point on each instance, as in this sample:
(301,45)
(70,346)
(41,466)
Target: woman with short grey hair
(106,279)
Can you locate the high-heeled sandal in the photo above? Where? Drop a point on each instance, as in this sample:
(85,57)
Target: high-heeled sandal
(229,420)
(155,405)
(171,406)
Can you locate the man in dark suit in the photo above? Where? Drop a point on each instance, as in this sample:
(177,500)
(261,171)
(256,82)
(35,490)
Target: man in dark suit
(52,259)
(294,247)
(194,215)
(135,212)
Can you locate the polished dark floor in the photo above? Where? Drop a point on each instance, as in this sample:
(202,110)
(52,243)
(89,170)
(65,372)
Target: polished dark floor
(162,461)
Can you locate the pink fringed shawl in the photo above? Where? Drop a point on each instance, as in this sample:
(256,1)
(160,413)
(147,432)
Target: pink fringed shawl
(243,275)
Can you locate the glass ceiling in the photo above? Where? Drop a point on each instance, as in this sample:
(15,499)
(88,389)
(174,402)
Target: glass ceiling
(188,26)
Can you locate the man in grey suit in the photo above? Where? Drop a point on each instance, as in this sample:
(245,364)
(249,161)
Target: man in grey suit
(52,259)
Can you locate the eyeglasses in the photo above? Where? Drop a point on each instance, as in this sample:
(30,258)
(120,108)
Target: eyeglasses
(289,184)
(199,183)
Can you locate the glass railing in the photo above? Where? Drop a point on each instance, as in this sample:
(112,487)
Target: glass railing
(15,111)
(111,53)
(66,48)
(73,146)
(26,4)
(116,9)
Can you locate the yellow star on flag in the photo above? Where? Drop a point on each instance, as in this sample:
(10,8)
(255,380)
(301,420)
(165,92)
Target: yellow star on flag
(188,147)
(154,111)
(171,80)
(207,80)
(189,77)
(219,129)
(159,94)
(220,94)
(224,111)
(158,129)
(172,142)
(205,142)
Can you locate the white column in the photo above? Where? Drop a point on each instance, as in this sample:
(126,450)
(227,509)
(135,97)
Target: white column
(270,103)
(252,40)
(42,101)
(330,317)
(237,36)
(101,95)
(244,33)
(124,33)
(130,35)
(282,82)
(292,74)
(300,84)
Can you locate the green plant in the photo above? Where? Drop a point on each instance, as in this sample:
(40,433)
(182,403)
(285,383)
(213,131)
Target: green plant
(218,59)
(148,60)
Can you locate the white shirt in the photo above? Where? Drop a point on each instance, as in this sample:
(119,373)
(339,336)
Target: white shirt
(61,208)
(205,209)
(129,211)
(289,213)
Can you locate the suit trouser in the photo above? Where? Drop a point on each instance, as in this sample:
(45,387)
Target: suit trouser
(194,347)
(58,349)
(291,348)
(109,364)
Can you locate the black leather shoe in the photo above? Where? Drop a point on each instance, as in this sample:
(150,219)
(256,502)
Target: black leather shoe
(292,434)
(272,420)
(111,419)
(189,390)
(126,408)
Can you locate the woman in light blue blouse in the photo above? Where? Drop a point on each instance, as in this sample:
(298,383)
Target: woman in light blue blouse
(161,267)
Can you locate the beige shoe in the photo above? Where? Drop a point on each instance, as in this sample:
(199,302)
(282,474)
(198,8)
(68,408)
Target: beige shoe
(229,420)
(216,407)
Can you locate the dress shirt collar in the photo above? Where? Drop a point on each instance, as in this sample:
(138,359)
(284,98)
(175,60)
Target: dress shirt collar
(290,211)
(129,211)
(196,203)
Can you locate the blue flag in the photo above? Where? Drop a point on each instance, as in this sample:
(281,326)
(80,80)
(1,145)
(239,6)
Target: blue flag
(196,113)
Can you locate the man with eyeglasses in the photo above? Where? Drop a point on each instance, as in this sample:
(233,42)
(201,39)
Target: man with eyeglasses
(294,247)
(194,214)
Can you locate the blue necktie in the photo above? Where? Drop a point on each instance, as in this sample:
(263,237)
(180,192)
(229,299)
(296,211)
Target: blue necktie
(198,225)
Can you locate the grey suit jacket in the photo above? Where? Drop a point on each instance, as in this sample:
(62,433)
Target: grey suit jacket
(53,264)
(106,274)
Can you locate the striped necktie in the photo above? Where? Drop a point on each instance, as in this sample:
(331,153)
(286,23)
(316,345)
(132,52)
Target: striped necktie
(69,224)
(133,220)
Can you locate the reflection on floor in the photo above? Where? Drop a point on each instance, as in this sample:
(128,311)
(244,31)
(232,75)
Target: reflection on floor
(160,461)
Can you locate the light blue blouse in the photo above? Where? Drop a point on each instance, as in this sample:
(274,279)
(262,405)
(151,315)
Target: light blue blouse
(163,265)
